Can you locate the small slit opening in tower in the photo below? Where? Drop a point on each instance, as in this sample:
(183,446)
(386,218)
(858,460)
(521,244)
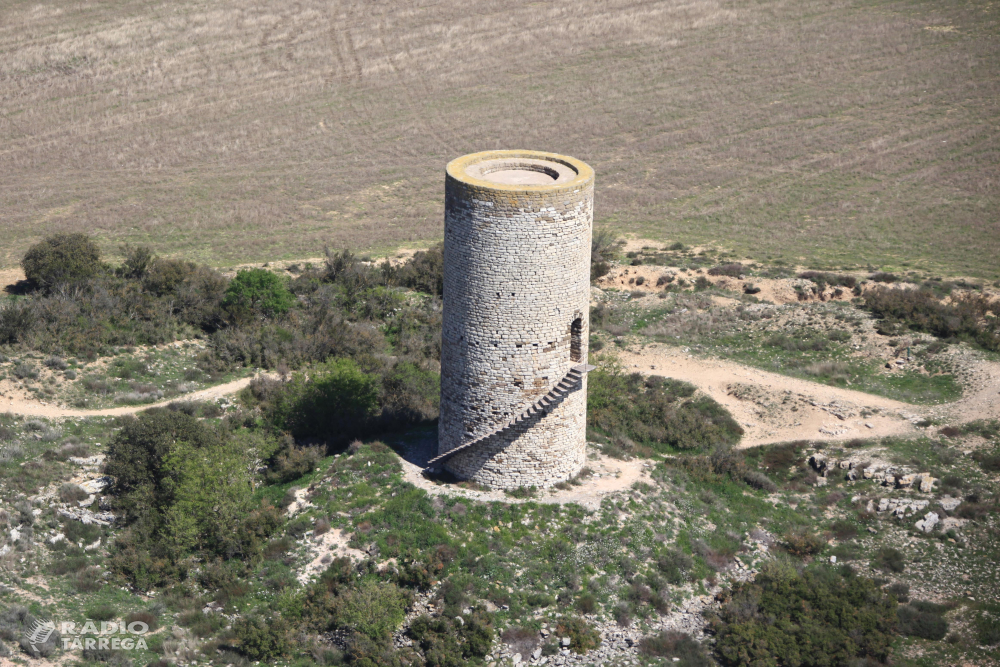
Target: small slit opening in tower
(576,340)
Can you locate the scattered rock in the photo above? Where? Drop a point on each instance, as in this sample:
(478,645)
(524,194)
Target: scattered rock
(949,504)
(928,522)
(212,608)
(952,523)
(88,517)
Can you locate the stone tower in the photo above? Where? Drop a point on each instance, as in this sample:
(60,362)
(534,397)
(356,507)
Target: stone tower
(516,318)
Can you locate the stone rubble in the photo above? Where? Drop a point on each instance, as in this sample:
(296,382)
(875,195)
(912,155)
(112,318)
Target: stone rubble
(887,476)
(928,522)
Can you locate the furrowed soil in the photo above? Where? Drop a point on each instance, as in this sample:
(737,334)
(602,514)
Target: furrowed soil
(834,133)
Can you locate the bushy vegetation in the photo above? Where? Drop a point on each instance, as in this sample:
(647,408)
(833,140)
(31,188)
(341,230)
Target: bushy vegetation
(16,623)
(724,463)
(971,317)
(734,270)
(604,244)
(337,401)
(61,260)
(447,643)
(424,272)
(182,487)
(346,307)
(822,616)
(823,279)
(257,293)
(679,647)
(988,625)
(923,619)
(663,413)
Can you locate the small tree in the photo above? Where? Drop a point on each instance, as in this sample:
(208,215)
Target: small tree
(258,292)
(260,638)
(337,400)
(137,261)
(62,258)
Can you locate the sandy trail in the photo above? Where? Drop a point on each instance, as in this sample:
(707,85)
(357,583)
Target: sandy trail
(38,409)
(769,406)
(777,408)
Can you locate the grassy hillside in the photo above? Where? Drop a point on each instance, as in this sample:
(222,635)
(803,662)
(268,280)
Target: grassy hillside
(843,132)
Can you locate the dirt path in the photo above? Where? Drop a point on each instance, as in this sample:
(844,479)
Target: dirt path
(39,409)
(777,408)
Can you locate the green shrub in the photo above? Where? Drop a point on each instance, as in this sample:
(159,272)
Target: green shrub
(25,371)
(182,487)
(900,590)
(136,263)
(990,462)
(604,245)
(101,612)
(966,317)
(336,401)
(291,463)
(257,292)
(586,604)
(409,395)
(374,609)
(889,559)
(537,600)
(265,639)
(819,617)
(17,321)
(662,412)
(583,637)
(151,620)
(674,564)
(447,643)
(922,622)
(16,623)
(72,493)
(824,279)
(61,258)
(681,648)
(843,529)
(424,272)
(801,341)
(734,270)
(987,625)
(136,456)
(723,462)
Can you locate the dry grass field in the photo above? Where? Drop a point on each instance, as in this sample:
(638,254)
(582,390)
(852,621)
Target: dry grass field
(833,132)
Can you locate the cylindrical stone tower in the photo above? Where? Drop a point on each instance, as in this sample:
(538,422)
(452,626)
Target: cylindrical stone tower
(516,306)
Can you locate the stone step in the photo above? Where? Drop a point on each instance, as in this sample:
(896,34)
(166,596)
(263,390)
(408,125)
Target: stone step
(568,382)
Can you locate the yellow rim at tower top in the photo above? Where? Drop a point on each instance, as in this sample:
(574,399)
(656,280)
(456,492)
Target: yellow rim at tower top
(456,169)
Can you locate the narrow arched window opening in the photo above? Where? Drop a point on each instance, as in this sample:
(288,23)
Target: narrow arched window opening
(576,340)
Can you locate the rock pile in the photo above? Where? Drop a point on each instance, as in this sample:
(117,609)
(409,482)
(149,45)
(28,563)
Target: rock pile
(887,476)
(901,507)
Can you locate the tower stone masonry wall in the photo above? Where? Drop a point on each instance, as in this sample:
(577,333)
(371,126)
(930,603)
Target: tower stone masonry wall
(516,314)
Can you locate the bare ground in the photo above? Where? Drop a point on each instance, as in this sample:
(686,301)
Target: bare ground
(849,131)
(770,407)
(21,406)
